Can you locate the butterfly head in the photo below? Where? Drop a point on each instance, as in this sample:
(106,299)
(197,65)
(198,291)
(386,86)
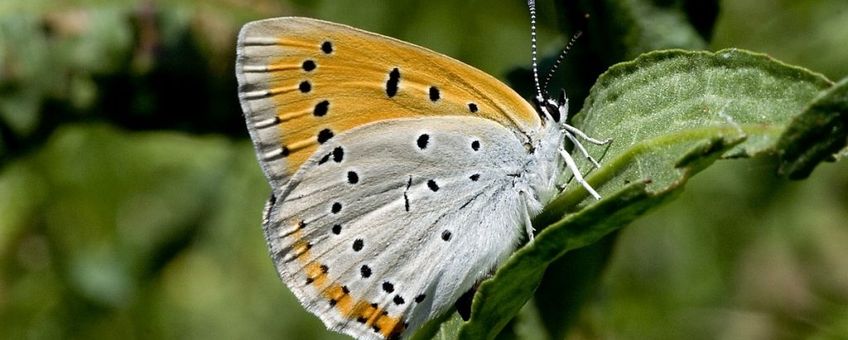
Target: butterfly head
(554,110)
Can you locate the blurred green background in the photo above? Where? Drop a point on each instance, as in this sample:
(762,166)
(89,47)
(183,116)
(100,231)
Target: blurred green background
(130,197)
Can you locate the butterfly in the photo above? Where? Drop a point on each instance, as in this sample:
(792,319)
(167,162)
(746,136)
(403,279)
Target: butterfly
(400,177)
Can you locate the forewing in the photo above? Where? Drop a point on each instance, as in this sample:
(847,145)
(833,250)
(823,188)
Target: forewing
(303,81)
(389,223)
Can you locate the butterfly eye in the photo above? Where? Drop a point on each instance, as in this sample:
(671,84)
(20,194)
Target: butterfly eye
(547,108)
(553,108)
(529,148)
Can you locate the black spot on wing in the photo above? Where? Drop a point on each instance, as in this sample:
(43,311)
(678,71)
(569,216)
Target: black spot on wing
(324,159)
(352,177)
(422,141)
(398,300)
(327,47)
(392,83)
(405,196)
(324,135)
(434,94)
(305,86)
(432,185)
(321,108)
(308,65)
(338,154)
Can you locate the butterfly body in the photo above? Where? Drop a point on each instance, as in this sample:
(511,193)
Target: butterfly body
(400,177)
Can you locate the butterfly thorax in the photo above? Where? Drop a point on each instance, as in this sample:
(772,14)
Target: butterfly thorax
(542,168)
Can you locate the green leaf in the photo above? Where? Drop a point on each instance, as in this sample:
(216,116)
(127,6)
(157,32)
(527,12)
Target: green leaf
(818,134)
(445,327)
(658,106)
(670,115)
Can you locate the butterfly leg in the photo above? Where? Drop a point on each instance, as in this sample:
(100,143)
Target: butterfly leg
(583,135)
(577,175)
(528,223)
(572,133)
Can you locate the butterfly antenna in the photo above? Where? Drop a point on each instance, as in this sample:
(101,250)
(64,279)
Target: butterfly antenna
(559,60)
(532,5)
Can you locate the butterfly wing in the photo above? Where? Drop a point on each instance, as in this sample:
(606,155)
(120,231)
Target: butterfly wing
(303,81)
(387,224)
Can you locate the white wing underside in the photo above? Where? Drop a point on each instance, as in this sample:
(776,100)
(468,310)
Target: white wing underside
(423,239)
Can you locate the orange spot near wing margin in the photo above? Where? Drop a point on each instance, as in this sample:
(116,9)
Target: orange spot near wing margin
(375,317)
